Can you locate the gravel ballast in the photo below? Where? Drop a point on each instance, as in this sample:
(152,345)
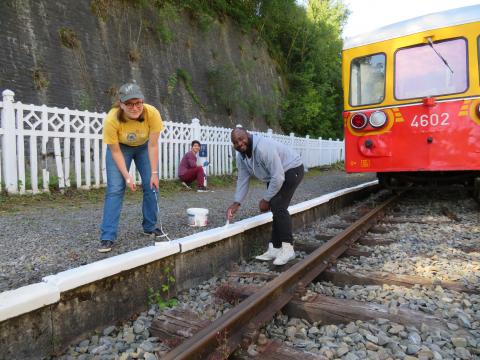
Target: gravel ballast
(380,338)
(53,237)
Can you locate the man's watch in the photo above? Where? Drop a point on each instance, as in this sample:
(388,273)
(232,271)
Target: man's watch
(128,180)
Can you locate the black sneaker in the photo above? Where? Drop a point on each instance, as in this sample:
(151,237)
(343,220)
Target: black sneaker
(105,246)
(202,189)
(155,232)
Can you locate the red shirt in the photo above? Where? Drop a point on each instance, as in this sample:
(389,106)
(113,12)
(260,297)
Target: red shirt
(189,161)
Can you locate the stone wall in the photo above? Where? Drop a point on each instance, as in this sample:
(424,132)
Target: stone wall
(61,53)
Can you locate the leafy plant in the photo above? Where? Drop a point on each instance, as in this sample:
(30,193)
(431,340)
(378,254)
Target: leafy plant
(164,33)
(134,55)
(100,8)
(40,78)
(187,81)
(167,13)
(54,183)
(224,84)
(112,91)
(172,83)
(68,38)
(205,21)
(162,297)
(84,101)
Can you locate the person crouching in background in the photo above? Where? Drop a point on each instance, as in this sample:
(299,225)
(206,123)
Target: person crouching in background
(188,170)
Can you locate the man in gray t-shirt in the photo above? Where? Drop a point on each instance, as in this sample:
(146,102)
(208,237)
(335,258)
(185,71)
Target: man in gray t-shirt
(282,170)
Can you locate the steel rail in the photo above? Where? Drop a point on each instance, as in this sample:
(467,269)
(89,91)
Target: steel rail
(227,332)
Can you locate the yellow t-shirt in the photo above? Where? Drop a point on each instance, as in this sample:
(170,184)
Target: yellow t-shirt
(131,132)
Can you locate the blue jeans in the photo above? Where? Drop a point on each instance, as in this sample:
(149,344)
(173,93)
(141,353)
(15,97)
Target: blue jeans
(116,190)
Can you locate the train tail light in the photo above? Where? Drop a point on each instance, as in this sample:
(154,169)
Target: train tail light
(378,119)
(358,121)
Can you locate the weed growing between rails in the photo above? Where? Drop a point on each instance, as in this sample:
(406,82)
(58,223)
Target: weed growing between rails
(223,349)
(162,297)
(228,294)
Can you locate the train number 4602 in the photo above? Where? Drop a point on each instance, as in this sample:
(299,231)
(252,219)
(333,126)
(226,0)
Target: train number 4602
(430,120)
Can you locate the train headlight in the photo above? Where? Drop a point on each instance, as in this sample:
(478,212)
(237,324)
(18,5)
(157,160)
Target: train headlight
(378,119)
(358,121)
(478,110)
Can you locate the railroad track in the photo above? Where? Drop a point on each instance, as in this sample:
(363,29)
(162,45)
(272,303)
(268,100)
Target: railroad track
(404,286)
(65,312)
(241,323)
(345,295)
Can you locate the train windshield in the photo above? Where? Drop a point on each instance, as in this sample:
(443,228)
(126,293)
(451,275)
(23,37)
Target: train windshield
(367,81)
(431,69)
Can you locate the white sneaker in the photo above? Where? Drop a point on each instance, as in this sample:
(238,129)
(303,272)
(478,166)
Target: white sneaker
(285,255)
(186,185)
(270,254)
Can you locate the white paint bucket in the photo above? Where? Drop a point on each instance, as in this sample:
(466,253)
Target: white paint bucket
(197,216)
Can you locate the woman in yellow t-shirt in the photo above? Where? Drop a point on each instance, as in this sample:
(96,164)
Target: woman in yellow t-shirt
(131,130)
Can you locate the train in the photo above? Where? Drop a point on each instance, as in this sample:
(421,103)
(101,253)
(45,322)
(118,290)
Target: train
(412,100)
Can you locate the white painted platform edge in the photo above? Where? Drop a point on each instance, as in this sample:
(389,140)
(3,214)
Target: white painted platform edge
(26,299)
(73,278)
(204,238)
(31,297)
(303,206)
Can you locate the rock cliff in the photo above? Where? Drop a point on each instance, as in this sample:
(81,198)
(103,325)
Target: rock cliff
(77,53)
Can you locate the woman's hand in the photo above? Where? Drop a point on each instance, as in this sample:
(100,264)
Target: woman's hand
(154,181)
(130,183)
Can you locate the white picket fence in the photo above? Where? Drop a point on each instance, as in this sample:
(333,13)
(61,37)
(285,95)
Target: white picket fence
(70,143)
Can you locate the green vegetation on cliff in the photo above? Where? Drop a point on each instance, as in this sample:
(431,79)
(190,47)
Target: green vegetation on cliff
(307,44)
(305,41)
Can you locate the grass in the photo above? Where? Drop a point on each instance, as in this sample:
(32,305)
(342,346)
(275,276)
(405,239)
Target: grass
(70,198)
(221,181)
(312,172)
(74,198)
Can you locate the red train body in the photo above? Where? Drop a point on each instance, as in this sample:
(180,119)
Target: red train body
(412,99)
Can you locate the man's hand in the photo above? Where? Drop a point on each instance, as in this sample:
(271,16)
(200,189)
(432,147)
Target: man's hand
(264,205)
(232,209)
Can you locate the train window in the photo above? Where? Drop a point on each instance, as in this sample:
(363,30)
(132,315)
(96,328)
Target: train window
(367,80)
(431,69)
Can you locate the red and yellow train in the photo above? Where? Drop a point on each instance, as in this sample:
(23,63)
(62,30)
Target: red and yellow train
(412,99)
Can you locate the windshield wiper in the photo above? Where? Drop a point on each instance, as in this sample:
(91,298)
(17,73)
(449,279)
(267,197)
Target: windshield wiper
(430,42)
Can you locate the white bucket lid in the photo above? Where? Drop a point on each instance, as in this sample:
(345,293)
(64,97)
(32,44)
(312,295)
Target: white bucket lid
(197,211)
